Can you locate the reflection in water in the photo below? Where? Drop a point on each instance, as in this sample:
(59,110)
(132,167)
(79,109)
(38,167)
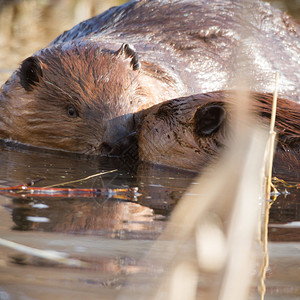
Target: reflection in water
(160,189)
(285,217)
(86,216)
(92,226)
(88,229)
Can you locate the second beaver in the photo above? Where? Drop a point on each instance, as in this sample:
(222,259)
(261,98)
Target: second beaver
(190,132)
(79,93)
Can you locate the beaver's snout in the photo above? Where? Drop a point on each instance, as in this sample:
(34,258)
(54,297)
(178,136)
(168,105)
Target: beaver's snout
(119,135)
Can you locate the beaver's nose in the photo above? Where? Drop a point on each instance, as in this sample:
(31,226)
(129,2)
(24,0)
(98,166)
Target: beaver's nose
(118,135)
(126,146)
(105,149)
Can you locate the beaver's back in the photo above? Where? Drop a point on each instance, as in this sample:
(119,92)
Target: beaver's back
(200,41)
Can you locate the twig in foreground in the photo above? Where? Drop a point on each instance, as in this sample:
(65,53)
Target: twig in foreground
(55,256)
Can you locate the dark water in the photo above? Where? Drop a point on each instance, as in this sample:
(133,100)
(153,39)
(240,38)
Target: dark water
(110,233)
(126,216)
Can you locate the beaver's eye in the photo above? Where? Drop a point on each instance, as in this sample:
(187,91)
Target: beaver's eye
(71,111)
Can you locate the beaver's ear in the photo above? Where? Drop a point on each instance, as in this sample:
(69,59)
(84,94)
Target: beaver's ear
(208,119)
(128,52)
(30,73)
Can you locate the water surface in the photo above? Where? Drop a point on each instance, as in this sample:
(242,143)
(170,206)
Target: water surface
(110,234)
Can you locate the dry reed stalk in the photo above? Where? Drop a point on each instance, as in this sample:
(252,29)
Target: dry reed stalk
(80,180)
(271,142)
(269,163)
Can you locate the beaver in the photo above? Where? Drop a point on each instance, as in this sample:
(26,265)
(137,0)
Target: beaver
(189,132)
(80,92)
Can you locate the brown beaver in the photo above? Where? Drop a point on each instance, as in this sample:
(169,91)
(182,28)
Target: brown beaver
(189,132)
(79,93)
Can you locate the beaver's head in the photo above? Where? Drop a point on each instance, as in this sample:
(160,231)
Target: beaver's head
(192,131)
(185,132)
(65,96)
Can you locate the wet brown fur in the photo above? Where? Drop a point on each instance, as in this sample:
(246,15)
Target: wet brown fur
(167,135)
(99,84)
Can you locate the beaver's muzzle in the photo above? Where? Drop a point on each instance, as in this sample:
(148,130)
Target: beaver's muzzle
(119,136)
